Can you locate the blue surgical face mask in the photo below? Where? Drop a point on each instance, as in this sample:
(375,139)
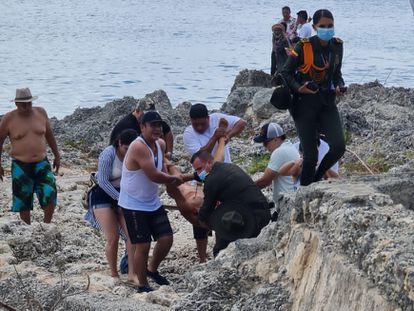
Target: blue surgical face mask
(325,34)
(203,175)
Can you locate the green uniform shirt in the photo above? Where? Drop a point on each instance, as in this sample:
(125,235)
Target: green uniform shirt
(332,53)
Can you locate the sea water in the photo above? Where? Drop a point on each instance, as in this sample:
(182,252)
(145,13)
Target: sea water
(81,53)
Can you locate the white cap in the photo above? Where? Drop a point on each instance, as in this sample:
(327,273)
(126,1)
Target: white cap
(269,131)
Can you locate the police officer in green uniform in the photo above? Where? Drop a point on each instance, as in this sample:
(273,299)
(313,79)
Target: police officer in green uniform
(313,72)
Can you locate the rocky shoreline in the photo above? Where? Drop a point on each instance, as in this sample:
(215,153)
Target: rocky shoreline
(344,244)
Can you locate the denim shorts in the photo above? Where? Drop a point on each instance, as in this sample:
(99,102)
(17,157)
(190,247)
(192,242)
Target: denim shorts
(100,199)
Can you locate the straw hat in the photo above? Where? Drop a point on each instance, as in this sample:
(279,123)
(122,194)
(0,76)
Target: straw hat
(24,96)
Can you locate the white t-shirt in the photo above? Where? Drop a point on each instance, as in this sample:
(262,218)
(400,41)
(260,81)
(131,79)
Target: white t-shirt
(194,141)
(304,31)
(285,153)
(322,151)
(291,27)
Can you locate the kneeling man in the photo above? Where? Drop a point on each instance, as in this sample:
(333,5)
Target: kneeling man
(233,205)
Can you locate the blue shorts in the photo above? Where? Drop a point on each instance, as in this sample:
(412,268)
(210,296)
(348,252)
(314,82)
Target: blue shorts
(29,178)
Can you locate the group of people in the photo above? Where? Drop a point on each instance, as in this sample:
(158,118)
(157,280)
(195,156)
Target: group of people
(285,34)
(125,201)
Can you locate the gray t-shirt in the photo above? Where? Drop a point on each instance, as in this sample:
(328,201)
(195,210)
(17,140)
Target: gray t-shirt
(286,152)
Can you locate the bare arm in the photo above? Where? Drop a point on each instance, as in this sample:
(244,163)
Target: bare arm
(237,129)
(169,140)
(142,156)
(3,134)
(331,174)
(267,178)
(50,138)
(291,168)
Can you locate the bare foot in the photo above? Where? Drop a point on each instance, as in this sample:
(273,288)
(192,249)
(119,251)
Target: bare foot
(115,274)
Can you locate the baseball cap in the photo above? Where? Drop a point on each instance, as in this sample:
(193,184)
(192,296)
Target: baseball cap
(269,131)
(151,117)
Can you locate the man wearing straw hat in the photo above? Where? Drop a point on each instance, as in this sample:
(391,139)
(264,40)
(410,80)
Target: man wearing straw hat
(28,129)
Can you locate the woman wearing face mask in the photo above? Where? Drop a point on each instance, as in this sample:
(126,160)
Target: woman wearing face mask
(313,72)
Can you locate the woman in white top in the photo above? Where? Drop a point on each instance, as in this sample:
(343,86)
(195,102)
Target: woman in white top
(104,198)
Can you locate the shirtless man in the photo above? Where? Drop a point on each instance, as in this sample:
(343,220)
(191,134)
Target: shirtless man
(29,129)
(189,199)
(143,170)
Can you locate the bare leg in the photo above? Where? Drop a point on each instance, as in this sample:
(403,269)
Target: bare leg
(132,277)
(202,249)
(161,249)
(48,213)
(141,260)
(25,216)
(108,220)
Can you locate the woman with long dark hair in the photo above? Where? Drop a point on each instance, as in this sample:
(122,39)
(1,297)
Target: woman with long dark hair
(104,199)
(313,72)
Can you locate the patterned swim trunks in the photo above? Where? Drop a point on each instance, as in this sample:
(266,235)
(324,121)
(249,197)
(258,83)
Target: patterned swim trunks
(29,178)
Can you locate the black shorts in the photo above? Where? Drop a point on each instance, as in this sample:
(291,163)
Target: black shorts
(142,225)
(200,233)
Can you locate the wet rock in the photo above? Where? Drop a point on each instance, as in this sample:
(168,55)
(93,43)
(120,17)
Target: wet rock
(261,106)
(238,100)
(251,78)
(180,117)
(91,127)
(157,100)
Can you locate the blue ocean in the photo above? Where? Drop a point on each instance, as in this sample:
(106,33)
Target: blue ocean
(85,53)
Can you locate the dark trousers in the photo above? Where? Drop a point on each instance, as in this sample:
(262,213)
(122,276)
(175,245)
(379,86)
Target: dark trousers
(273,63)
(262,216)
(313,115)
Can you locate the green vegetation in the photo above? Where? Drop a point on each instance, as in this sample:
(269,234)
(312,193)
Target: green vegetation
(259,163)
(376,162)
(408,155)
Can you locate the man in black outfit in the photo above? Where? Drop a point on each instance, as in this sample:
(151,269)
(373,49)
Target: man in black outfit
(132,121)
(227,184)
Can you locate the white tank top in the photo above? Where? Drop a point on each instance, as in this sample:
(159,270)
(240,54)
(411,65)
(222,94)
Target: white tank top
(138,192)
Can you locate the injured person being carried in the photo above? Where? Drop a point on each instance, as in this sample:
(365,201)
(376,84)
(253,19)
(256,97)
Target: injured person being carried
(230,203)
